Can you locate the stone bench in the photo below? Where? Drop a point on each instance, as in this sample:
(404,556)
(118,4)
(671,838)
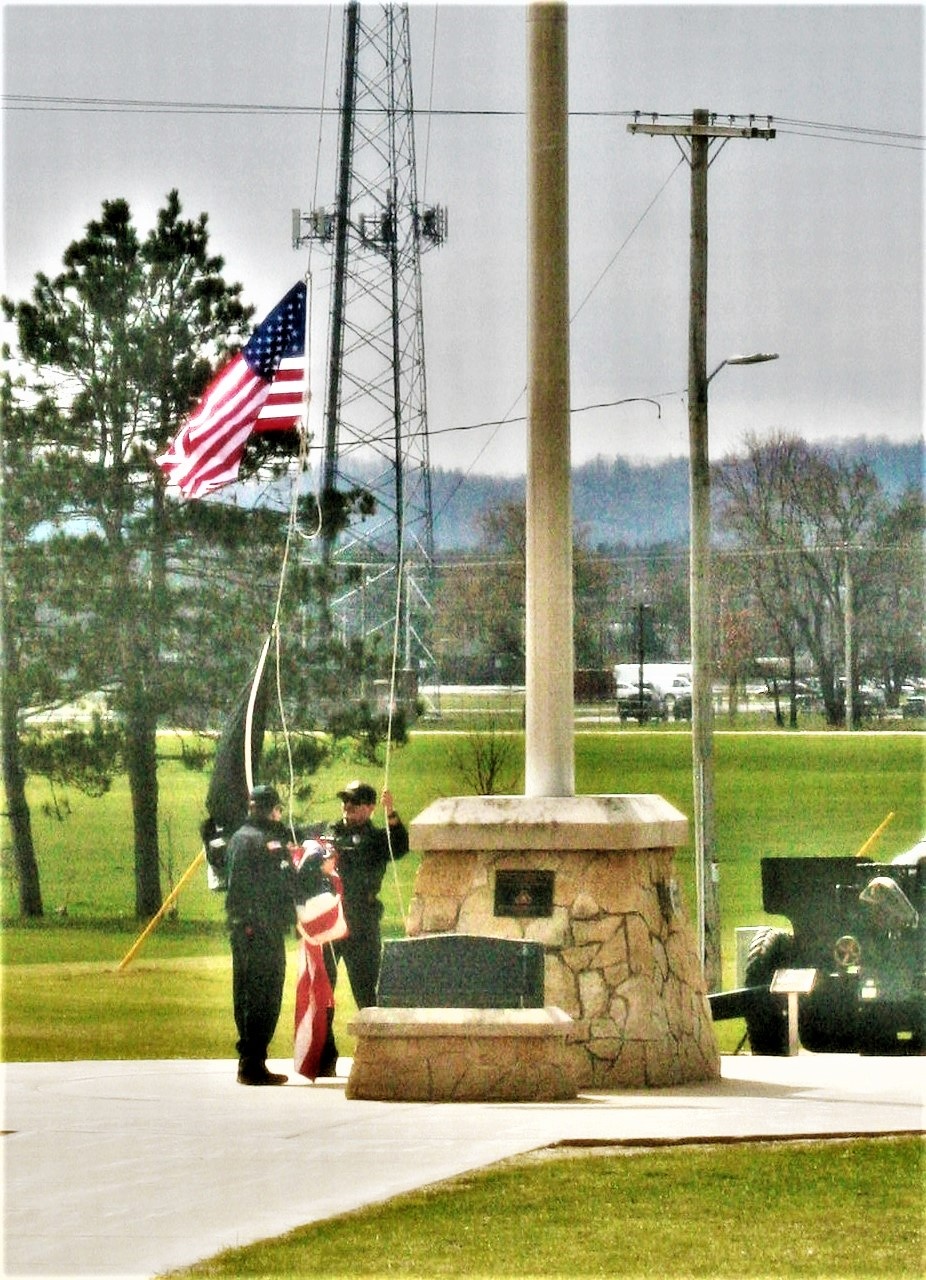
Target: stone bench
(462,1055)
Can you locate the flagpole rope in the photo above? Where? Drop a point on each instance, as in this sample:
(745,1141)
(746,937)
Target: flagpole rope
(291,531)
(396,638)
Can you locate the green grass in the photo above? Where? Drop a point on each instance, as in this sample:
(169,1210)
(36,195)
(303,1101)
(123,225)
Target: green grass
(159,1006)
(813,1209)
(777,794)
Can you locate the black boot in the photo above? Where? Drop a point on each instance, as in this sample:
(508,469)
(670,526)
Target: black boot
(254,1071)
(272,1077)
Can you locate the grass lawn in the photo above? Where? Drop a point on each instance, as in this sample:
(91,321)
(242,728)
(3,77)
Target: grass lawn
(65,998)
(813,1209)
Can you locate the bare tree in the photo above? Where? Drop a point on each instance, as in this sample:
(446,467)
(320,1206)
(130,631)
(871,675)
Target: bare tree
(802,513)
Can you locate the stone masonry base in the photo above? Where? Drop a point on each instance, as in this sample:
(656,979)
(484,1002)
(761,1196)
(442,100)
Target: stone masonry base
(462,1055)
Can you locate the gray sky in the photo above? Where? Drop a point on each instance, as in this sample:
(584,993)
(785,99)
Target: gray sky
(816,237)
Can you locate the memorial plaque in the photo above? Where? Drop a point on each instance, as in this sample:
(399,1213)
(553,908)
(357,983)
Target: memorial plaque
(461,971)
(524,893)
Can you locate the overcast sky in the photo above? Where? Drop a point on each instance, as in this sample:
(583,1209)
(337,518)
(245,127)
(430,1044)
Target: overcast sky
(816,237)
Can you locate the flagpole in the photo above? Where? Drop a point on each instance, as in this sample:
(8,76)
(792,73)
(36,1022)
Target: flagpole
(165,907)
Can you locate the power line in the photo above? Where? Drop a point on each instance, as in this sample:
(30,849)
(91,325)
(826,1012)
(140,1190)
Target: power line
(154,106)
(584,408)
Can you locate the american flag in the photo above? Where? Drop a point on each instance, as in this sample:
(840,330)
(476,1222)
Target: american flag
(320,922)
(260,390)
(314,998)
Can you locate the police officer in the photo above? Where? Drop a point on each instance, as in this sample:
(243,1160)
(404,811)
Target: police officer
(364,852)
(261,912)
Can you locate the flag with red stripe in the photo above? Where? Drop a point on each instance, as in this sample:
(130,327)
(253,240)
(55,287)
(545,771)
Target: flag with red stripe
(320,922)
(314,998)
(262,389)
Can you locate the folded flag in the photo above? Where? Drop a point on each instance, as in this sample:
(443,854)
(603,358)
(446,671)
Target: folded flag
(260,390)
(314,998)
(321,920)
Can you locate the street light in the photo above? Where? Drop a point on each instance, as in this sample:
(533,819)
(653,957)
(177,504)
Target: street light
(702,709)
(758,357)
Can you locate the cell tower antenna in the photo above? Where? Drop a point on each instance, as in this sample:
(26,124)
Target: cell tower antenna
(376,430)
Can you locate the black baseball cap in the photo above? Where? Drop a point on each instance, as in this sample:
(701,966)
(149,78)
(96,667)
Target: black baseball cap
(358,792)
(265,799)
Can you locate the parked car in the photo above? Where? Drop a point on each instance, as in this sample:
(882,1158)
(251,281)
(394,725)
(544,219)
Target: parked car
(676,701)
(630,706)
(681,708)
(914,708)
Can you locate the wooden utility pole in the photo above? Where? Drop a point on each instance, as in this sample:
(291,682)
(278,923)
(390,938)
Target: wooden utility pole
(849,660)
(701,132)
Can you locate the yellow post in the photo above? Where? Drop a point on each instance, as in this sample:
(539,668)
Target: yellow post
(874,836)
(165,907)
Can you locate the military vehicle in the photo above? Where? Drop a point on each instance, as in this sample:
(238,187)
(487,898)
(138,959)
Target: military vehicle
(860,926)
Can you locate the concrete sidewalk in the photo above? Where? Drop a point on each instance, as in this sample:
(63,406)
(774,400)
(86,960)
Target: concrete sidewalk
(132,1168)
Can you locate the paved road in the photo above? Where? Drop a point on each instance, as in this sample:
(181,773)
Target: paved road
(132,1168)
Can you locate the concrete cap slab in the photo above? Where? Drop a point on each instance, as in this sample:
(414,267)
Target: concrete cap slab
(462,1022)
(600,823)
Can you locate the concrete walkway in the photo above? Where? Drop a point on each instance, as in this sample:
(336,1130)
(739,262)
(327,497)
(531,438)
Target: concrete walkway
(132,1168)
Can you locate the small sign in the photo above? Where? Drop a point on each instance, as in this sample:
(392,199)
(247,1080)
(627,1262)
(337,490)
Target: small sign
(798,982)
(524,893)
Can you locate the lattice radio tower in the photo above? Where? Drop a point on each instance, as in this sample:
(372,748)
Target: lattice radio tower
(376,429)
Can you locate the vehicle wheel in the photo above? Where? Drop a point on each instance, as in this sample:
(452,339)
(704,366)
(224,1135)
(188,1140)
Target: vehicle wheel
(767,1019)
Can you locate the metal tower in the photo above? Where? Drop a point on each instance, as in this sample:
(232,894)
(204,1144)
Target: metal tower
(376,433)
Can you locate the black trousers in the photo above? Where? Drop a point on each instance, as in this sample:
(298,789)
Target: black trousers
(258,973)
(361,953)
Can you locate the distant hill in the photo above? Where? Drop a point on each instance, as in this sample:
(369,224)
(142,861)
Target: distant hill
(616,501)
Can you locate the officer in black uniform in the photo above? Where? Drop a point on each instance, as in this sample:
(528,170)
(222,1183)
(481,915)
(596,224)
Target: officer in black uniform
(364,852)
(260,904)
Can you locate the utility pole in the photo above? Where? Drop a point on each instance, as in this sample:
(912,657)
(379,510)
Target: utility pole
(376,431)
(848,622)
(701,133)
(641,653)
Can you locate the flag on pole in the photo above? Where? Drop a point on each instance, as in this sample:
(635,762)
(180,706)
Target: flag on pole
(237,757)
(261,389)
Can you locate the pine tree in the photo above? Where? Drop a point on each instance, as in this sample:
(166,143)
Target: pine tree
(122,341)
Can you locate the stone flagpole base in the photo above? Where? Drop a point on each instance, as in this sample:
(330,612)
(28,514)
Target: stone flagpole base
(593,879)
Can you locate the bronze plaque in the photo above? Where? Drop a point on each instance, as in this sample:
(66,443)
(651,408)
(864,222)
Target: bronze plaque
(524,893)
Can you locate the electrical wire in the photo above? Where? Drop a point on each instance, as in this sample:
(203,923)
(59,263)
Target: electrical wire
(430,117)
(783,124)
(626,240)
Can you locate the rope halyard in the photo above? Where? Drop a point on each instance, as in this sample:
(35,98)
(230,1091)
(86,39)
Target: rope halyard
(400,577)
(291,531)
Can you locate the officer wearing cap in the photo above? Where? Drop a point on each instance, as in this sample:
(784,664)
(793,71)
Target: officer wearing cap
(364,852)
(261,913)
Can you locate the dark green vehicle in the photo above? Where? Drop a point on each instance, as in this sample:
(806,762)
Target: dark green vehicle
(861,927)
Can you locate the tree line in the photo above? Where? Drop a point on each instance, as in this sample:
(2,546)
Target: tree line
(808,548)
(622,503)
